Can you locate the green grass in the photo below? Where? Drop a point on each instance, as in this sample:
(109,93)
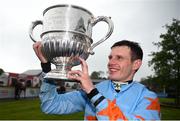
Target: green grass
(167,100)
(29,109)
(170,113)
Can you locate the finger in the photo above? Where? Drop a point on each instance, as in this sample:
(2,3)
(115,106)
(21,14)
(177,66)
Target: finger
(35,45)
(73,76)
(84,65)
(75,73)
(37,48)
(41,56)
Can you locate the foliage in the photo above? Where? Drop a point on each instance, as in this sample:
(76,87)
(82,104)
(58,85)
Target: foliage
(97,75)
(1,71)
(166,62)
(153,83)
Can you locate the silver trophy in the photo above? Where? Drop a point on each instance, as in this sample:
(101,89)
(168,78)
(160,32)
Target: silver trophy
(66,34)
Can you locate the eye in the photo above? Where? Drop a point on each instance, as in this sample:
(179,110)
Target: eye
(109,57)
(119,57)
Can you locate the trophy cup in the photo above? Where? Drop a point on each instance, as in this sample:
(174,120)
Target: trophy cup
(66,34)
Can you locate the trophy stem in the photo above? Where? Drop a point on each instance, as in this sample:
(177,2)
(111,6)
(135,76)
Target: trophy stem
(63,69)
(60,73)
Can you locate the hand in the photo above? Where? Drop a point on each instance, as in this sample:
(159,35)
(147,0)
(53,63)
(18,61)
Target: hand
(82,76)
(37,49)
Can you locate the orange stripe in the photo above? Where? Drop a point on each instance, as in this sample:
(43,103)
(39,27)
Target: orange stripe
(90,118)
(140,117)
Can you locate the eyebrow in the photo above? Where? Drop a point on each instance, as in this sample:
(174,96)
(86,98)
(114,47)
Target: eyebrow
(116,56)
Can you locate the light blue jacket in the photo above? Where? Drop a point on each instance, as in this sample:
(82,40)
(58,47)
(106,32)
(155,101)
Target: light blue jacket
(134,101)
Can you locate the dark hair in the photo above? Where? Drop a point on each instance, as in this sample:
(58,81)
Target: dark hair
(136,51)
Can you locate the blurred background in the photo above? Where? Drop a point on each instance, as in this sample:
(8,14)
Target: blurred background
(154,24)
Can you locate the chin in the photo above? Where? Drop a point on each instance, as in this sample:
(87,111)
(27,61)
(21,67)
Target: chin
(110,77)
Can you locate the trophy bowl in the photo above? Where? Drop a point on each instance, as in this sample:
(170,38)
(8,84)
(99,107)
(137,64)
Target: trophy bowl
(66,35)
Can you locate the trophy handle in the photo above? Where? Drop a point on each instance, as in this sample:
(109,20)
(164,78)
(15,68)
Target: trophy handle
(32,26)
(108,34)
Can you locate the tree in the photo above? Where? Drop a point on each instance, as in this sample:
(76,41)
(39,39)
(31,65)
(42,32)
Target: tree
(153,83)
(166,62)
(1,71)
(97,75)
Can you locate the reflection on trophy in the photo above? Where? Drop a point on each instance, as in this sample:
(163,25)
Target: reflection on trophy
(66,34)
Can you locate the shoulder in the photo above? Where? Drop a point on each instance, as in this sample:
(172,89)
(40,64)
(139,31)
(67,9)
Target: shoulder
(103,84)
(144,90)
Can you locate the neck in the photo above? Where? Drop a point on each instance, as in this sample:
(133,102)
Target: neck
(128,81)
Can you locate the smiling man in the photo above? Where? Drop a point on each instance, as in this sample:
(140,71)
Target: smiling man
(119,98)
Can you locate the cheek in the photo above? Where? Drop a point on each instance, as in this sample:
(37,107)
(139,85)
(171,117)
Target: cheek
(128,70)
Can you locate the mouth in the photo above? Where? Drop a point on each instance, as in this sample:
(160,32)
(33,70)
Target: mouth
(112,69)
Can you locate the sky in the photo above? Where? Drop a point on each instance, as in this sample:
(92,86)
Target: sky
(136,20)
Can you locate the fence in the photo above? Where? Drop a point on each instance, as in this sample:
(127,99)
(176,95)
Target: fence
(9,92)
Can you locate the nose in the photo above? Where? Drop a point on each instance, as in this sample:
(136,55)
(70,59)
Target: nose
(111,61)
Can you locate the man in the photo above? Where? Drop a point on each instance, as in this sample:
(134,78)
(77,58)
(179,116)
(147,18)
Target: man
(119,98)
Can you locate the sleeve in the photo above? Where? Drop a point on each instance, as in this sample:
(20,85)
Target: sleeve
(147,108)
(54,103)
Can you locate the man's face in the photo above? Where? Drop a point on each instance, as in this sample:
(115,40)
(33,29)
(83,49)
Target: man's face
(120,66)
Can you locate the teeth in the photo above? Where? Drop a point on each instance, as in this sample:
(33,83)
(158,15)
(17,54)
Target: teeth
(113,69)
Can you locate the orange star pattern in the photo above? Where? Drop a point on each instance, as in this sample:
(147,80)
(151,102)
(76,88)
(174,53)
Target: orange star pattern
(90,118)
(112,111)
(154,104)
(140,117)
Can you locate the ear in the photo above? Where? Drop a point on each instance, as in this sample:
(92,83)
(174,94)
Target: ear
(137,64)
